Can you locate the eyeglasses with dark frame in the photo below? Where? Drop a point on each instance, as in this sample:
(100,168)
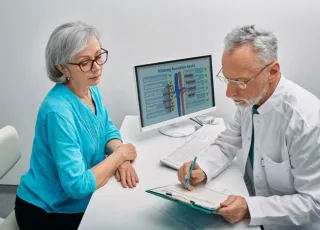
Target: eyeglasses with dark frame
(87,65)
(240,84)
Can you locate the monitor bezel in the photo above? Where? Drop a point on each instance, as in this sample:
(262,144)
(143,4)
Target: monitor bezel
(181,118)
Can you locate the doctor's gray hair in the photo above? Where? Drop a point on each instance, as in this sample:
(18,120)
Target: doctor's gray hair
(264,42)
(65,42)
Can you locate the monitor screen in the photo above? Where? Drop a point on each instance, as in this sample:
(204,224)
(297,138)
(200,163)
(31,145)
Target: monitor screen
(173,90)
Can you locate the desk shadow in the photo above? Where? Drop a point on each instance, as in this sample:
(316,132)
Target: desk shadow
(176,216)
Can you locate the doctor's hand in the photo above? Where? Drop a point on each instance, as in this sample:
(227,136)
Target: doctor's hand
(197,175)
(234,209)
(127,175)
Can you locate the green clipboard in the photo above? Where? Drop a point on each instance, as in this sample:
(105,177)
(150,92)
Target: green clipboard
(179,195)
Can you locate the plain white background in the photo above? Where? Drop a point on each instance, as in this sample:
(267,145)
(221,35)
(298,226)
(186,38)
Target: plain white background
(139,32)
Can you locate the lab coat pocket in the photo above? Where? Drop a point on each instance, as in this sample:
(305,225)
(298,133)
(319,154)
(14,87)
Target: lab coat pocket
(279,175)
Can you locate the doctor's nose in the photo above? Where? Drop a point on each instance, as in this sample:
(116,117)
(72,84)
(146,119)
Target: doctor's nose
(231,90)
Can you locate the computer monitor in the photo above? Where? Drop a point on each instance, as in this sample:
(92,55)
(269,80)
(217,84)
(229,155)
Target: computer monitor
(172,91)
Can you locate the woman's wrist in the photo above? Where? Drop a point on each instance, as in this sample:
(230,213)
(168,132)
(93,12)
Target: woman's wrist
(120,153)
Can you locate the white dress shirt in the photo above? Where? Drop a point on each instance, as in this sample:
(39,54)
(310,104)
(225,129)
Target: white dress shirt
(286,172)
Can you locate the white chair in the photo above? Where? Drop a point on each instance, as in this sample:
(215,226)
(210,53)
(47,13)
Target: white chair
(9,156)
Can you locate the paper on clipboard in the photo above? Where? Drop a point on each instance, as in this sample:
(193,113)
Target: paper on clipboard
(200,196)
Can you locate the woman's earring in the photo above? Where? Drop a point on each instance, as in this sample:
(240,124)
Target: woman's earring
(68,78)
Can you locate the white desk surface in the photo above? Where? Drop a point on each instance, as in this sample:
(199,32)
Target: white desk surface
(113,207)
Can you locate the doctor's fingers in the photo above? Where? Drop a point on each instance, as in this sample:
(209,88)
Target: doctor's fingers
(229,201)
(192,184)
(183,181)
(231,214)
(186,170)
(190,187)
(225,211)
(182,171)
(197,175)
(180,175)
(235,209)
(231,219)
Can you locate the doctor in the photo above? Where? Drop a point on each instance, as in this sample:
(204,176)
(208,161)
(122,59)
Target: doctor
(275,135)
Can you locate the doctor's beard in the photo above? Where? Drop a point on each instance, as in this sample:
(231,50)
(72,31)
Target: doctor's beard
(253,101)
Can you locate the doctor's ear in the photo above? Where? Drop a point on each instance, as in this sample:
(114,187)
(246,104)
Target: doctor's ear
(274,70)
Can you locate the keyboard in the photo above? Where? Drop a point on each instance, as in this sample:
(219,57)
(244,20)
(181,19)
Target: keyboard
(194,145)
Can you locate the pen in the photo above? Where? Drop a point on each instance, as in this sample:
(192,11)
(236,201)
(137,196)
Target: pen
(190,171)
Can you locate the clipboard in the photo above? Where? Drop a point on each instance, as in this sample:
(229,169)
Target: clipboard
(201,198)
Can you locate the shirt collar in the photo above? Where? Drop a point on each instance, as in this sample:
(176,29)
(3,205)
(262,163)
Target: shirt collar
(255,110)
(274,98)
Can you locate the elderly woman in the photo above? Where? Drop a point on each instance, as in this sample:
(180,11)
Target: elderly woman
(73,134)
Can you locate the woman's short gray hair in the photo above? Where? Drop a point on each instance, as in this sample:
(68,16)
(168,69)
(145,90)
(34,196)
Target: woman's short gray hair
(264,42)
(65,42)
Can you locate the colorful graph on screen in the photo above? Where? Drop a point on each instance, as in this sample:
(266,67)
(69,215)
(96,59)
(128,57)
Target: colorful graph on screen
(172,91)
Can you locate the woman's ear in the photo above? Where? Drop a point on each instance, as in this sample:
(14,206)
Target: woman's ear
(63,70)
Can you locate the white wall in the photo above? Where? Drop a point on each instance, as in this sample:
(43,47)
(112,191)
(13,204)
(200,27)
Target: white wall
(137,32)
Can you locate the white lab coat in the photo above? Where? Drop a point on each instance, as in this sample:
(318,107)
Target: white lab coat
(286,174)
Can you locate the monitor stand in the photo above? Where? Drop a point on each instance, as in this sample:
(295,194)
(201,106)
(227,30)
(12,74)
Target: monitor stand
(178,130)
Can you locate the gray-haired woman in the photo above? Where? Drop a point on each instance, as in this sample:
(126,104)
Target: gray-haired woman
(73,134)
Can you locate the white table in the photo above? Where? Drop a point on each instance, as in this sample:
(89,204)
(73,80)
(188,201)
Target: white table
(113,207)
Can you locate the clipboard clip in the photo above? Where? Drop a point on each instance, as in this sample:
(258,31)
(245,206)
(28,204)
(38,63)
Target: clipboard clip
(205,207)
(181,199)
(194,203)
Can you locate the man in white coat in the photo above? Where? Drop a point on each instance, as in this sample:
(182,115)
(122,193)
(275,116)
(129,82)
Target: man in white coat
(275,134)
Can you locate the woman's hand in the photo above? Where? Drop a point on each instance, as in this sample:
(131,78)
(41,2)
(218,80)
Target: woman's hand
(128,151)
(127,175)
